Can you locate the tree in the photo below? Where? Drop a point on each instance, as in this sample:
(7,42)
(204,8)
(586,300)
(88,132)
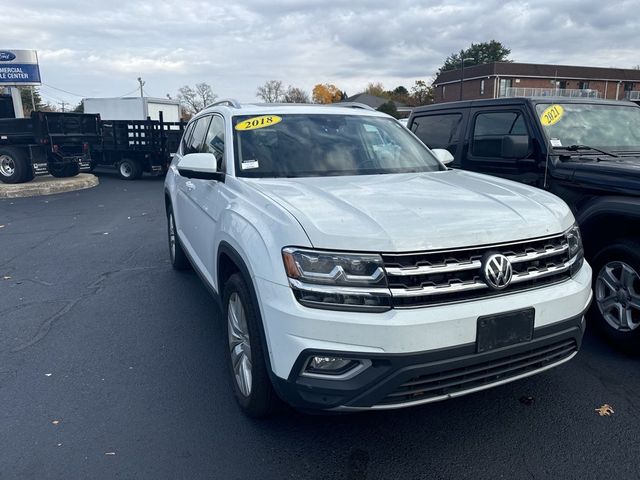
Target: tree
(195,99)
(375,89)
(389,108)
(421,93)
(271,92)
(398,94)
(296,95)
(326,93)
(27,103)
(485,52)
(80,107)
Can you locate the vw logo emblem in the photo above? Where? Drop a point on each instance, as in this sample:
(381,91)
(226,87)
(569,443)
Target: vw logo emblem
(497,271)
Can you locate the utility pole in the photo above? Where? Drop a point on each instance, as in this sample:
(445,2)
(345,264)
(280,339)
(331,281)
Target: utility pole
(142,84)
(62,104)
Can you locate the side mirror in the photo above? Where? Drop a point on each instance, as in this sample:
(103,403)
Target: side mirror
(199,165)
(443,155)
(515,146)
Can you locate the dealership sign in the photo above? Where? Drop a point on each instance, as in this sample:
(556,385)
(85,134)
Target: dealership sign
(19,67)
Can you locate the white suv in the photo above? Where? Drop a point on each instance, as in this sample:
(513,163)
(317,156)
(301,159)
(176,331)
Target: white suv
(356,271)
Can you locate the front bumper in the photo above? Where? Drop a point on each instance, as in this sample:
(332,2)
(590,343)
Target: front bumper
(417,355)
(397,381)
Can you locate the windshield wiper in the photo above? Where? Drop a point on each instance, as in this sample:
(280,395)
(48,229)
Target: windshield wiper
(575,148)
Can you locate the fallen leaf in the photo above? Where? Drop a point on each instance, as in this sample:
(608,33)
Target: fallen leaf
(106,233)
(109,453)
(47,374)
(56,422)
(605,410)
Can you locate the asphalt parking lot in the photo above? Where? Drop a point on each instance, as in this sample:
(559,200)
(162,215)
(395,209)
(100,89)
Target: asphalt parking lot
(112,366)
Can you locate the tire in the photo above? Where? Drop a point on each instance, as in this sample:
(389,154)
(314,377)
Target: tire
(14,167)
(246,352)
(129,169)
(179,259)
(63,171)
(616,285)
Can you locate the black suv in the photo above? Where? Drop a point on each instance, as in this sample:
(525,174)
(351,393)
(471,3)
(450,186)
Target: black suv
(586,152)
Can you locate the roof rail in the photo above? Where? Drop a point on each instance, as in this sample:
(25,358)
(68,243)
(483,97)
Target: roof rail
(352,105)
(232,102)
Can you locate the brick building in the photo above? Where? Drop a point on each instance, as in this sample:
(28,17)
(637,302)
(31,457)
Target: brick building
(504,79)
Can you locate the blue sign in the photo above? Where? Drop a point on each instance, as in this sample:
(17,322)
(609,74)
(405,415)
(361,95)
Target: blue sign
(19,67)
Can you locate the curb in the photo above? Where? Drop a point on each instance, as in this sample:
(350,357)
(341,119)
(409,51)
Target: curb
(48,185)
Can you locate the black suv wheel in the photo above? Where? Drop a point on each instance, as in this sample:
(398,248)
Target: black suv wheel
(616,284)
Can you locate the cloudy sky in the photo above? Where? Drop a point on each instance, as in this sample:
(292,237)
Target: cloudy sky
(100,48)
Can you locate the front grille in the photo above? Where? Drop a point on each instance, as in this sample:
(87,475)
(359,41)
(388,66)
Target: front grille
(425,387)
(428,278)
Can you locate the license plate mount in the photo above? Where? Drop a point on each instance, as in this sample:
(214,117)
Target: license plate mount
(504,329)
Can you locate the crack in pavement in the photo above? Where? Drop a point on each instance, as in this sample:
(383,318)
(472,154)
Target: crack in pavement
(96,286)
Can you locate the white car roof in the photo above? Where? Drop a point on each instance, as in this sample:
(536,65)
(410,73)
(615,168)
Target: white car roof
(233,108)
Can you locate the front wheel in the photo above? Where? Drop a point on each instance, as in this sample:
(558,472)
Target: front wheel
(251,384)
(617,294)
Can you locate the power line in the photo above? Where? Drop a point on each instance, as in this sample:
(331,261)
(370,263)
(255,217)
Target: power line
(65,91)
(129,93)
(52,96)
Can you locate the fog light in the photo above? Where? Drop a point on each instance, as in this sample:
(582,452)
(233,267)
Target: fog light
(330,365)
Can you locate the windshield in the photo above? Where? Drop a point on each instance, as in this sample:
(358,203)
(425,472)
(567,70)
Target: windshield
(610,127)
(306,145)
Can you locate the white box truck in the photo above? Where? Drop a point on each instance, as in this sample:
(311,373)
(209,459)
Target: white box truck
(133,108)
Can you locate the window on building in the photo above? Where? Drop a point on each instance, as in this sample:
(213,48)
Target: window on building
(481,87)
(583,85)
(439,131)
(628,86)
(505,83)
(489,128)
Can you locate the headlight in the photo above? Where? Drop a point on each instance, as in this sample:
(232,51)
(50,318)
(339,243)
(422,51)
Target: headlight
(576,252)
(334,280)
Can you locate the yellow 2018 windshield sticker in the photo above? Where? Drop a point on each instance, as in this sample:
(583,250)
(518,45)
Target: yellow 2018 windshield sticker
(551,115)
(258,122)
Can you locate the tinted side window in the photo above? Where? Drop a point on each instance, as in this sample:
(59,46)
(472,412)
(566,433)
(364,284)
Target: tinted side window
(214,142)
(194,144)
(439,131)
(185,138)
(489,128)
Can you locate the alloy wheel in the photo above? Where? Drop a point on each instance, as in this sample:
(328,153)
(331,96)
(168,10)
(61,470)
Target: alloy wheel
(239,344)
(172,237)
(618,296)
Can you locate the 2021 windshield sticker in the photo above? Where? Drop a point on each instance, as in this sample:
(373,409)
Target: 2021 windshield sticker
(551,115)
(258,122)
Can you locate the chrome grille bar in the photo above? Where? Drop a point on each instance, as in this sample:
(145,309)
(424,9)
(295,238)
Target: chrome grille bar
(424,278)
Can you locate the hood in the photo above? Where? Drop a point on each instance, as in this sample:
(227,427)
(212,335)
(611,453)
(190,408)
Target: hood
(607,174)
(410,212)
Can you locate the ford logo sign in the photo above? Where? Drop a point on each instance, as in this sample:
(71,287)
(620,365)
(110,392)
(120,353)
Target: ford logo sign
(7,56)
